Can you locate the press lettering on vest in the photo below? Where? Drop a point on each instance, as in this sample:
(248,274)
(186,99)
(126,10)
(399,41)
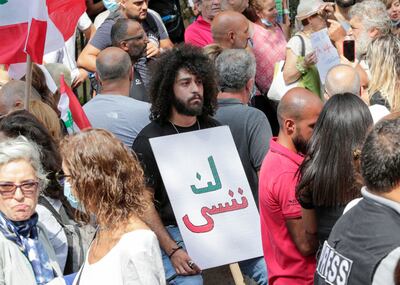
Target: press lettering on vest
(333,267)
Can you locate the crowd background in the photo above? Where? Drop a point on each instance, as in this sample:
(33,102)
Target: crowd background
(82,200)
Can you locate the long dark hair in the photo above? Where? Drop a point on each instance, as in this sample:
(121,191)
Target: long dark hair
(22,122)
(164,71)
(330,172)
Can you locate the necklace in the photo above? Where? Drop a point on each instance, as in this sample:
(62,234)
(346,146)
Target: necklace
(197,121)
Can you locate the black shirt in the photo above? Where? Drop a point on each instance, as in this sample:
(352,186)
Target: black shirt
(143,150)
(138,90)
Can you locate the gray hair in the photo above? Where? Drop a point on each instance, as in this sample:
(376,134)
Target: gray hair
(235,67)
(342,79)
(373,14)
(12,149)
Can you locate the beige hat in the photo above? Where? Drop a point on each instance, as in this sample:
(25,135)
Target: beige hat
(308,8)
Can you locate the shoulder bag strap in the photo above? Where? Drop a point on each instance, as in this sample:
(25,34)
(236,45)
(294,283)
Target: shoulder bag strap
(303,46)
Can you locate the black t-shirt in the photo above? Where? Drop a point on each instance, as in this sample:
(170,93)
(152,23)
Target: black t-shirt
(326,216)
(143,150)
(138,90)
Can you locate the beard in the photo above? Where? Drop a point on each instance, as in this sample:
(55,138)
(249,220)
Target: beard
(188,109)
(300,143)
(136,53)
(362,45)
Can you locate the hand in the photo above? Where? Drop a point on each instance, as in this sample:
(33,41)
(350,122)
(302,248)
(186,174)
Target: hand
(180,261)
(310,59)
(152,50)
(344,60)
(335,31)
(80,78)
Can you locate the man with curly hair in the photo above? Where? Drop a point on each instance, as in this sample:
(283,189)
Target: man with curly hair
(183,94)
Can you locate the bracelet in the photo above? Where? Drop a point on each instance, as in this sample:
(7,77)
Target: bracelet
(286,11)
(174,250)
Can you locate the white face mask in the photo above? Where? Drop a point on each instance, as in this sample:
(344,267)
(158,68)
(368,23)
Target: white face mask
(111,5)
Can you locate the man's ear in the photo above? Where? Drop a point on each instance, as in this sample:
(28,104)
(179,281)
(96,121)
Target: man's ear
(373,33)
(97,78)
(290,126)
(248,88)
(231,36)
(19,104)
(124,46)
(249,85)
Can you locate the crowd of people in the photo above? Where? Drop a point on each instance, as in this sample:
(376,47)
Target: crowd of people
(322,161)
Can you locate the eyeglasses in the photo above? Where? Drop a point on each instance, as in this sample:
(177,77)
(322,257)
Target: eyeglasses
(60,176)
(28,188)
(139,37)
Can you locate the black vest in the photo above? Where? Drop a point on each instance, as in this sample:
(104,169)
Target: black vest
(358,242)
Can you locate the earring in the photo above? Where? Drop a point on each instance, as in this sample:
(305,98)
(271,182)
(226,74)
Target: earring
(356,154)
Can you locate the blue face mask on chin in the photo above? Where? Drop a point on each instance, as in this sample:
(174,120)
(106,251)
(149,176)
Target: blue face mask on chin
(266,23)
(70,197)
(111,5)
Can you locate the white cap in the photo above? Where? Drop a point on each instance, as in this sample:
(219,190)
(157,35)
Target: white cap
(308,8)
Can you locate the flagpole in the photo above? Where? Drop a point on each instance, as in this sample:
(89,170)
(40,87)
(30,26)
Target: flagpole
(28,81)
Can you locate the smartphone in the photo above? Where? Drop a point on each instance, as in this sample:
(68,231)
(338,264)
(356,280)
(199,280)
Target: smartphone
(349,49)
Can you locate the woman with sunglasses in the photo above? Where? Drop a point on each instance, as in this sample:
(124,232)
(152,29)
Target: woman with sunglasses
(55,202)
(26,255)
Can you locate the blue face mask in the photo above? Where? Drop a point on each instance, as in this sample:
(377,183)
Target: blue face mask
(395,24)
(111,5)
(266,23)
(70,197)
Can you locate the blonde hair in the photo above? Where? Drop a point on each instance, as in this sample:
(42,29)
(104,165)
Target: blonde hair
(48,117)
(212,51)
(384,63)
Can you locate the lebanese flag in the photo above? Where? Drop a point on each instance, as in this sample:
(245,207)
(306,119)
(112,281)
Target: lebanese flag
(36,27)
(71,110)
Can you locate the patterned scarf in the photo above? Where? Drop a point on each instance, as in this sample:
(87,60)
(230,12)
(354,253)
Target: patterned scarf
(25,235)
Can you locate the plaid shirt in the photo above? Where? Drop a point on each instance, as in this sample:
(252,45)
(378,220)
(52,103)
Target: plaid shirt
(269,47)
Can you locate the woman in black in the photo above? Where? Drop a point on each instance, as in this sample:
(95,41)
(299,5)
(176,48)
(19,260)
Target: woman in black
(329,174)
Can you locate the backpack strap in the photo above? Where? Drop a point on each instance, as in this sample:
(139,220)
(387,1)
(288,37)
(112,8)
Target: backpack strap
(45,203)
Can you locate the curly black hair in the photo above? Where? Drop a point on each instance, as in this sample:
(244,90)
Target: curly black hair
(164,71)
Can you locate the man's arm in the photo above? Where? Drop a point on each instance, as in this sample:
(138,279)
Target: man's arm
(180,258)
(87,58)
(166,43)
(94,8)
(305,242)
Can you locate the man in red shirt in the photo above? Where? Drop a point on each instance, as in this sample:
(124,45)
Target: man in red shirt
(199,32)
(288,249)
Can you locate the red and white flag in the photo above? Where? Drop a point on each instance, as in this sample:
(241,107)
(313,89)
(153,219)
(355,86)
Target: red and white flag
(71,110)
(36,27)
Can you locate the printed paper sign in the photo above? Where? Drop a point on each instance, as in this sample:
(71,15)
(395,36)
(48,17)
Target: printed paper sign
(210,195)
(326,53)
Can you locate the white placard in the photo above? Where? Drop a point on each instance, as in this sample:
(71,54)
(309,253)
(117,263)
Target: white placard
(210,195)
(327,54)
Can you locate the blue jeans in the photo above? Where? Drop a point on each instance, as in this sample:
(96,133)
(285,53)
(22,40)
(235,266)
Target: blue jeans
(254,268)
(170,274)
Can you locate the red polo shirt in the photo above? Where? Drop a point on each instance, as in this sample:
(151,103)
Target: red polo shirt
(286,266)
(199,33)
